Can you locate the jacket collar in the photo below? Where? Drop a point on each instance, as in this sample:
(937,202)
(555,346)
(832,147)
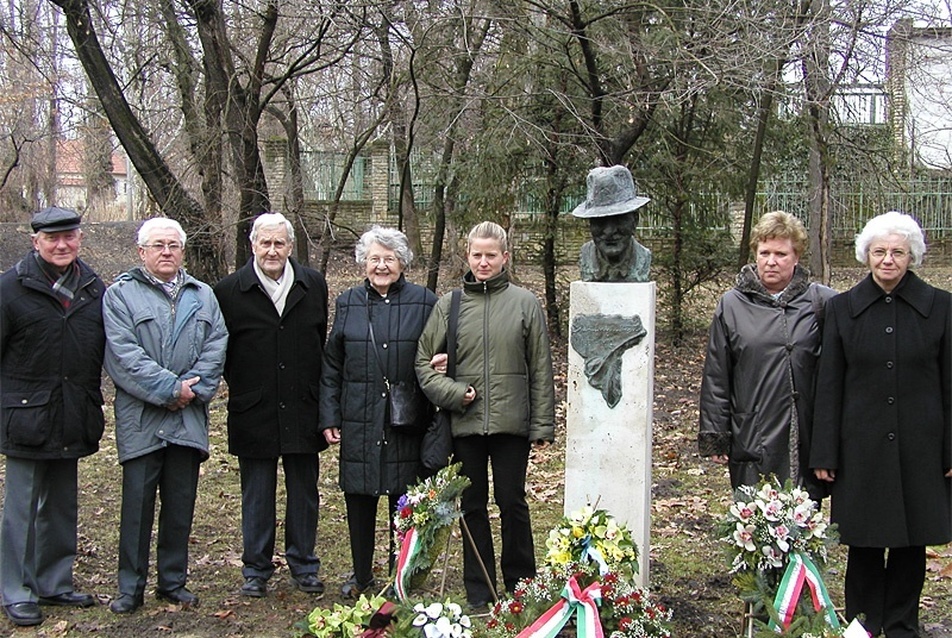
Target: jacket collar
(493,284)
(395,287)
(28,269)
(248,278)
(748,282)
(911,289)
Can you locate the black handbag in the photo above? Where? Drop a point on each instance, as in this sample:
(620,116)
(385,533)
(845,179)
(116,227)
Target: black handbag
(437,445)
(408,407)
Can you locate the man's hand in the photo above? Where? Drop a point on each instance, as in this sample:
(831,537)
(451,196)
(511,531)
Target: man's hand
(825,475)
(470,395)
(720,459)
(185,394)
(332,435)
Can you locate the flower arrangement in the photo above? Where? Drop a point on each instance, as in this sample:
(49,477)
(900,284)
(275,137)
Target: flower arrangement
(435,620)
(767,522)
(342,621)
(422,524)
(625,610)
(592,535)
(590,562)
(777,545)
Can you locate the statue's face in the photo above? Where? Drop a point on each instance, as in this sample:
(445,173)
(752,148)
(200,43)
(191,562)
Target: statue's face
(612,234)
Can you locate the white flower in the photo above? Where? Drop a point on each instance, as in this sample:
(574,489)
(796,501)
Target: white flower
(465,621)
(744,537)
(454,609)
(773,509)
(420,620)
(434,610)
(743,511)
(774,558)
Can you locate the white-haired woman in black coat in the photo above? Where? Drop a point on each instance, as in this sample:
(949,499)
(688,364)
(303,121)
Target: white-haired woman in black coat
(883,425)
(375,459)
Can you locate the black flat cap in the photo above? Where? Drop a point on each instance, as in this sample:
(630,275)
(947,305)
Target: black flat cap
(54,220)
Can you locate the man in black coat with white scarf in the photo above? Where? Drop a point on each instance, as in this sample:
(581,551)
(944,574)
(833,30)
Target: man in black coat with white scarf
(276,313)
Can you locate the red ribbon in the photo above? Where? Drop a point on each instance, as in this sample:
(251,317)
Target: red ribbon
(380,622)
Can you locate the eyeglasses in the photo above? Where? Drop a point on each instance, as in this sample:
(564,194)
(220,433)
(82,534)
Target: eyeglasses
(376,261)
(898,254)
(161,247)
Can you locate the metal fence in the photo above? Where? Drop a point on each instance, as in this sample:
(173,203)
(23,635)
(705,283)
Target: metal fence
(928,200)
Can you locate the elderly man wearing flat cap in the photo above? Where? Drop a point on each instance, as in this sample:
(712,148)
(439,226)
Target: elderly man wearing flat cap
(51,354)
(611,208)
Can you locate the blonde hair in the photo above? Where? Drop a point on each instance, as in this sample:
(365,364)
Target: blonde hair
(488,230)
(779,225)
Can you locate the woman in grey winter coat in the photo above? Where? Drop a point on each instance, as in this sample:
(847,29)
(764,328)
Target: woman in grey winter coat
(757,388)
(883,431)
(375,458)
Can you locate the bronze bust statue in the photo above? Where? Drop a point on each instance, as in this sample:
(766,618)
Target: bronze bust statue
(611,207)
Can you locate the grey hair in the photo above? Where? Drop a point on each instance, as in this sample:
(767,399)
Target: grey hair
(157,223)
(389,238)
(892,223)
(267,220)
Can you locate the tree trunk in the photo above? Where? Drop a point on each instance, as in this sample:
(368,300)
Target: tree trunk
(162,184)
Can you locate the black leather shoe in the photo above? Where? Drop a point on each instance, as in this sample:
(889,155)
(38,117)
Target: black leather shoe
(180,596)
(254,586)
(69,599)
(125,604)
(24,614)
(353,589)
(308,583)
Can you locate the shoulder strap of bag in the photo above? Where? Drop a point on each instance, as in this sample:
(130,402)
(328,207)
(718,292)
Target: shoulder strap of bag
(451,333)
(373,342)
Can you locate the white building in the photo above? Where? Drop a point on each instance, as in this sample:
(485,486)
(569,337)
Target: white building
(919,89)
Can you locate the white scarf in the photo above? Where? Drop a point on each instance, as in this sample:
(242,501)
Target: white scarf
(276,290)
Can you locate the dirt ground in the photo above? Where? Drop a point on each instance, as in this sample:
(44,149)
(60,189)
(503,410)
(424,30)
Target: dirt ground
(690,495)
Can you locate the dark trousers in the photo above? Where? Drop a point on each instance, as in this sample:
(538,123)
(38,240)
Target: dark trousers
(173,470)
(259,481)
(362,525)
(886,588)
(38,533)
(509,457)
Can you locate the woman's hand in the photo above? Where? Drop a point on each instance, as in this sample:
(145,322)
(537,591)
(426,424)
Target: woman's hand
(826,475)
(332,435)
(438,362)
(720,459)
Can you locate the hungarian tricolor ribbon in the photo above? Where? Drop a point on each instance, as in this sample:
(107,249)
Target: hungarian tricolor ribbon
(802,571)
(409,548)
(583,603)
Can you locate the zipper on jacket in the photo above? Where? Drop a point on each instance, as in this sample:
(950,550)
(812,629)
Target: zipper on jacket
(486,359)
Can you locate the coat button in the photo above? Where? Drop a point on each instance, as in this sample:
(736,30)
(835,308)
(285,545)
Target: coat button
(384,346)
(789,347)
(24,401)
(889,365)
(890,400)
(891,436)
(386,301)
(281,405)
(281,366)
(888,299)
(383,394)
(889,330)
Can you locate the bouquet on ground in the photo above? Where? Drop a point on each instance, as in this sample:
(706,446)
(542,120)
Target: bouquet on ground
(377,617)
(342,621)
(587,578)
(422,524)
(778,545)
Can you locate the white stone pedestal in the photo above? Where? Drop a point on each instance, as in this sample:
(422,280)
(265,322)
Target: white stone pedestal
(608,450)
